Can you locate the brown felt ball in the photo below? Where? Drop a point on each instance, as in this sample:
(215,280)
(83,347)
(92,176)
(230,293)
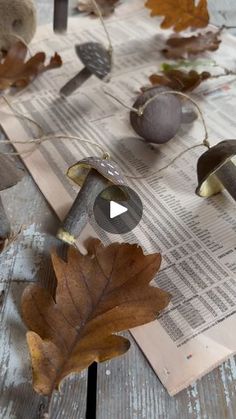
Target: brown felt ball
(161,118)
(17,17)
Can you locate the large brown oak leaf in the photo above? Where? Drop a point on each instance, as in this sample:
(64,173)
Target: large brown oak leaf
(97,295)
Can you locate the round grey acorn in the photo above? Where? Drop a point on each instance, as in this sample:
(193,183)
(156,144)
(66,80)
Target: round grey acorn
(161,118)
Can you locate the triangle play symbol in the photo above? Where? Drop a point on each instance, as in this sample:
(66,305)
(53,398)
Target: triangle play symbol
(116,209)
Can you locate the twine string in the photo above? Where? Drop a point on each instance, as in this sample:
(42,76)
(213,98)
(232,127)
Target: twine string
(99,13)
(36,142)
(22,115)
(140,112)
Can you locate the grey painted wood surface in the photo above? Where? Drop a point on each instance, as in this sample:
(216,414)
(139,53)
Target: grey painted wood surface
(127,386)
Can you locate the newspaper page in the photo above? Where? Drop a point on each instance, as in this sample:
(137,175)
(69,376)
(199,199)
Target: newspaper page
(196,236)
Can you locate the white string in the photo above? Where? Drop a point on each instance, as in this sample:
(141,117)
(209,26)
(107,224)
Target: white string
(36,142)
(140,111)
(99,13)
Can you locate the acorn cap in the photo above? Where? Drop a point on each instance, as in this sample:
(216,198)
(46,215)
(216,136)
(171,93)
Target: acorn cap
(209,163)
(95,58)
(10,174)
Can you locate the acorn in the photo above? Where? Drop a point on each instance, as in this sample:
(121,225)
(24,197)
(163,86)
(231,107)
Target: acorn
(160,119)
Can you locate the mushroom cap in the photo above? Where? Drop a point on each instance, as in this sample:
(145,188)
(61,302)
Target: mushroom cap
(95,58)
(107,168)
(208,164)
(10,174)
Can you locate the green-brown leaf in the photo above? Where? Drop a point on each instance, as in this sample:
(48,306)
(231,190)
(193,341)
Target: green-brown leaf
(98,295)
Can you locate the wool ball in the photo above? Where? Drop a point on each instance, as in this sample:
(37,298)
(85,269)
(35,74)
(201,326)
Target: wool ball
(161,118)
(17,17)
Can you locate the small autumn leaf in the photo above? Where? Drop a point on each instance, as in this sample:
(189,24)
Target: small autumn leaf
(16,72)
(182,47)
(183,81)
(97,295)
(180,14)
(106,6)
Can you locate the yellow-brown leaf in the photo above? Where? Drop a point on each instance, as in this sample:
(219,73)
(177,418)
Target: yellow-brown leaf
(180,14)
(98,295)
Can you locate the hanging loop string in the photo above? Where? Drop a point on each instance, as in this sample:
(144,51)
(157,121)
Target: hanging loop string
(36,142)
(99,13)
(105,154)
(22,116)
(141,109)
(140,112)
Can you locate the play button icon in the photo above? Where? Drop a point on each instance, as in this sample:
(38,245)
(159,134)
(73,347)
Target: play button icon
(118,209)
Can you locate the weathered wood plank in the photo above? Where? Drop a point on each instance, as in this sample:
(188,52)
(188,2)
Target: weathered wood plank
(26,261)
(129,389)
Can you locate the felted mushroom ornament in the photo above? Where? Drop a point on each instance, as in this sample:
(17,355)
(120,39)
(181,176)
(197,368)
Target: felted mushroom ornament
(10,175)
(17,20)
(216,170)
(93,175)
(159,115)
(97,61)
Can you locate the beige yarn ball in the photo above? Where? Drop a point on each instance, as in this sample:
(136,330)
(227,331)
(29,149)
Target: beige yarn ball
(17,17)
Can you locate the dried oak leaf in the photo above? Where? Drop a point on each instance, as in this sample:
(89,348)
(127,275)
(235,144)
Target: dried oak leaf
(16,72)
(180,80)
(106,6)
(97,295)
(182,47)
(180,14)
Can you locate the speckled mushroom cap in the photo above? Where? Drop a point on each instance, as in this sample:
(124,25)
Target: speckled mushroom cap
(95,58)
(106,167)
(209,163)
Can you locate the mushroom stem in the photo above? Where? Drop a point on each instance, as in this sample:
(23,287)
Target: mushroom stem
(60,15)
(5,227)
(80,211)
(227,176)
(75,82)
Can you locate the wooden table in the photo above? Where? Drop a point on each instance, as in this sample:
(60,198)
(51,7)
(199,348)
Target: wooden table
(127,386)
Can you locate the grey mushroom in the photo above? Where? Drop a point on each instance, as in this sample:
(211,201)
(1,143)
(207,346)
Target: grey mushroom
(93,175)
(97,61)
(216,170)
